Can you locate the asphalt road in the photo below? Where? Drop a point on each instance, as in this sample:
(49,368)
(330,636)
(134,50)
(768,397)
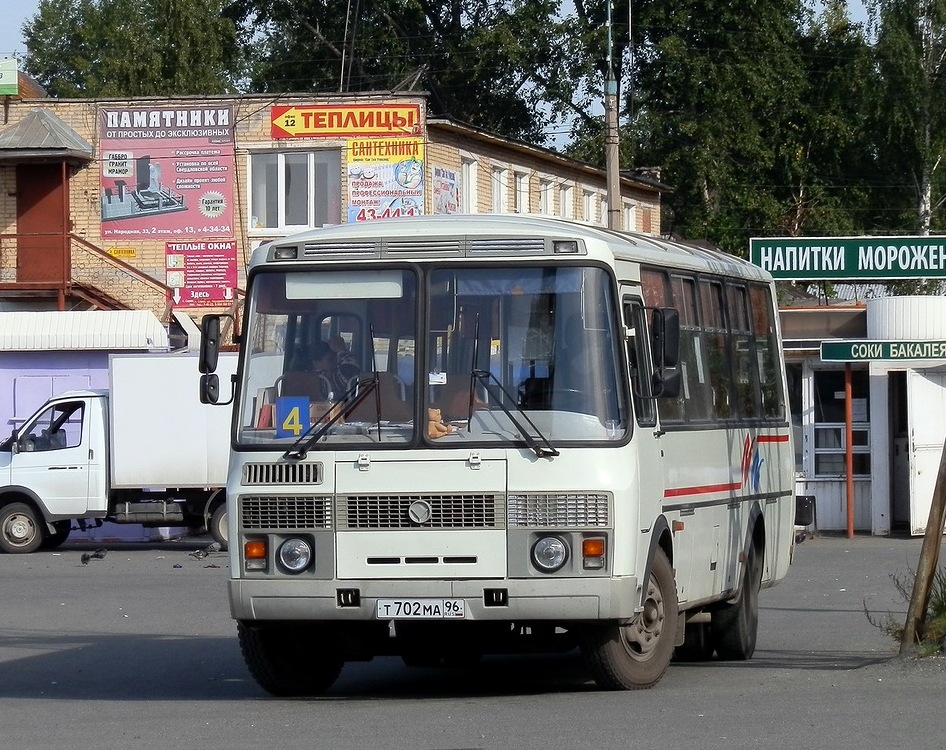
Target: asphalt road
(137,651)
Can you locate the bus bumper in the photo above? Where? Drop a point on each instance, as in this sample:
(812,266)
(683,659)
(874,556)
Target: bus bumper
(547,599)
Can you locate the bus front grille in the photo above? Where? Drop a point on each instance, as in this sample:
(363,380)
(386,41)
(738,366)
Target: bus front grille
(285,513)
(559,509)
(421,511)
(297,472)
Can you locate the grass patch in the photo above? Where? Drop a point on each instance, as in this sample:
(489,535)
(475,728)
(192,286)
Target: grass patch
(932,639)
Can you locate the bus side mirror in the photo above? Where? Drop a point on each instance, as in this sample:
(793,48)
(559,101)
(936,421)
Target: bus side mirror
(209,388)
(666,384)
(209,345)
(665,328)
(665,331)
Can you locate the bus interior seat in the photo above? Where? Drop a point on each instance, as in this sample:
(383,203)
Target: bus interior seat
(535,393)
(297,383)
(453,399)
(397,403)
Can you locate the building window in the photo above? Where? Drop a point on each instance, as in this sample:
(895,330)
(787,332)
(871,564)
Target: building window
(588,204)
(500,189)
(293,190)
(522,193)
(468,176)
(630,217)
(565,206)
(546,199)
(829,427)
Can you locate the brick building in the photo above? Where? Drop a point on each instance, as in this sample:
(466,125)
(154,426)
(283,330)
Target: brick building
(156,204)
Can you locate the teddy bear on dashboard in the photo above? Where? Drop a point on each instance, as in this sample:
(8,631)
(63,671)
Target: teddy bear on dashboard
(435,426)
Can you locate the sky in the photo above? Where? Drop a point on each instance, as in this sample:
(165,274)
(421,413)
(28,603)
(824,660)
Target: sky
(15,12)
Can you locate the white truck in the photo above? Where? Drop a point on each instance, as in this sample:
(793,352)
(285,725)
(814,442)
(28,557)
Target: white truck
(145,451)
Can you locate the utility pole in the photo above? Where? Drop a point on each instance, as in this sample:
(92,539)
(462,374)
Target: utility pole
(611,150)
(926,567)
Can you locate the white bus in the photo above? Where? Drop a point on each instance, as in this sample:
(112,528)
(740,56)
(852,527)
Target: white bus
(545,436)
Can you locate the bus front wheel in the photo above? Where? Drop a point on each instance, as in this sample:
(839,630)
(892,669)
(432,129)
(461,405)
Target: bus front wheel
(635,656)
(276,657)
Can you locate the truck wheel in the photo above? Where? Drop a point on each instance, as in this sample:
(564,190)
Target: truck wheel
(218,525)
(735,626)
(59,536)
(276,657)
(20,529)
(635,656)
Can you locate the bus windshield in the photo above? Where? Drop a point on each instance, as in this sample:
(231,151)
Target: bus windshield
(489,354)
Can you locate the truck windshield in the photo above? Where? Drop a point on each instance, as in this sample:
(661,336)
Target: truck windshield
(504,355)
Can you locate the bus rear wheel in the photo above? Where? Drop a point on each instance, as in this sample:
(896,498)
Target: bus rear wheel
(635,656)
(735,626)
(276,657)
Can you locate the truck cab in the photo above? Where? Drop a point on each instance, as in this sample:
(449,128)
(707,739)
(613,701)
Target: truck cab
(54,465)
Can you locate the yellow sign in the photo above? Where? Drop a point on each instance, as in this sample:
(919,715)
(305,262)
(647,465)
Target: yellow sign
(331,120)
(123,252)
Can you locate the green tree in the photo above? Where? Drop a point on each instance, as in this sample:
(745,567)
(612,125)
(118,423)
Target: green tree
(910,112)
(481,61)
(718,86)
(100,48)
(826,164)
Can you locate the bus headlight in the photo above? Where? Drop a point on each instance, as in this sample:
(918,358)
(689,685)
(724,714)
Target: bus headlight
(549,554)
(295,555)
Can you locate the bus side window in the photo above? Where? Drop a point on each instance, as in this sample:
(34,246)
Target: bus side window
(640,362)
(767,349)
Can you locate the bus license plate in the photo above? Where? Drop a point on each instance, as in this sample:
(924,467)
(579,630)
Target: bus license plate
(421,609)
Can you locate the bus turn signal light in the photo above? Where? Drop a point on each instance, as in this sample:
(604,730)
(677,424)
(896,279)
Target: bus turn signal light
(593,552)
(254,554)
(255,550)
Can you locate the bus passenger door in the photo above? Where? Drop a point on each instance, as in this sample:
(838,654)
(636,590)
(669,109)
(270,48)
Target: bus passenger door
(646,440)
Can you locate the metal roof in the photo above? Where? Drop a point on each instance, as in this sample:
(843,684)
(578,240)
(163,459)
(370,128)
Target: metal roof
(81,330)
(42,135)
(494,235)
(628,176)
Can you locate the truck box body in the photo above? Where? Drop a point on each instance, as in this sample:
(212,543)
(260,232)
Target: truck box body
(160,435)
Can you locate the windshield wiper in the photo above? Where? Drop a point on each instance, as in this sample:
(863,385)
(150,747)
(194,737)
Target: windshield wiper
(546,449)
(348,401)
(541,447)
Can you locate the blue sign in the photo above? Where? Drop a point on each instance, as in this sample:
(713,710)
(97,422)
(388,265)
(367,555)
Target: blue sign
(292,416)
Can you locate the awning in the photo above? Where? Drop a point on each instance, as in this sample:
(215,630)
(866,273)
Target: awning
(138,330)
(42,136)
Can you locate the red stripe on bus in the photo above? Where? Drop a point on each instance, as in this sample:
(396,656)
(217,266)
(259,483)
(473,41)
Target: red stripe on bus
(702,490)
